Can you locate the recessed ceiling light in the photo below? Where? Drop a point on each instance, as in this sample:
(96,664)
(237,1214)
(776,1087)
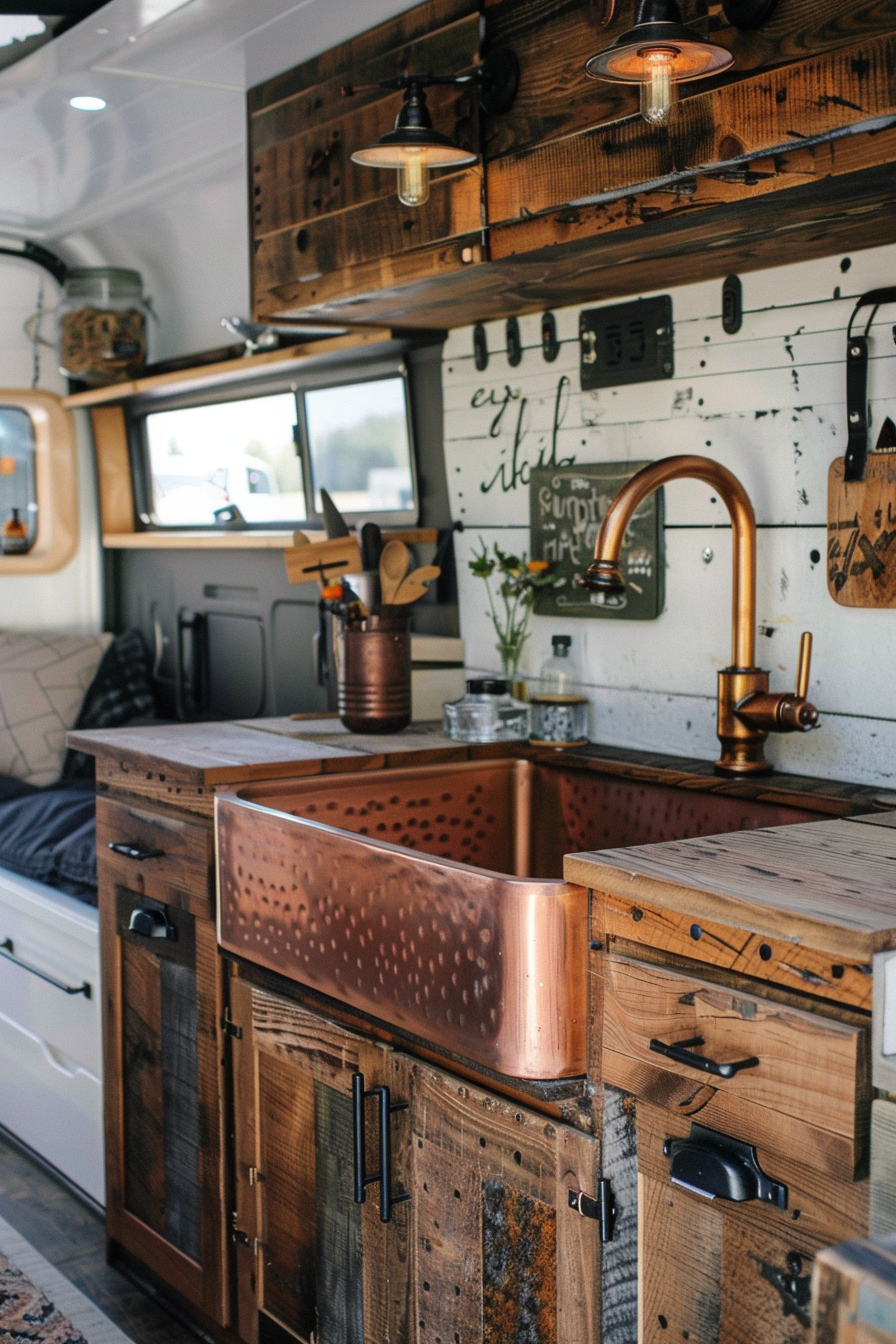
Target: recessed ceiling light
(87,104)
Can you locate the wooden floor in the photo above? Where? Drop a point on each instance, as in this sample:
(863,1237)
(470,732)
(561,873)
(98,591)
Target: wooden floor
(71,1237)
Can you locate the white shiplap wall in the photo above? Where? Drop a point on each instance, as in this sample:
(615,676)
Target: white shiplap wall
(769,403)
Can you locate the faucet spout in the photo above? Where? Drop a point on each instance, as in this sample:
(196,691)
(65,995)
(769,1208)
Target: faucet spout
(747,711)
(603,575)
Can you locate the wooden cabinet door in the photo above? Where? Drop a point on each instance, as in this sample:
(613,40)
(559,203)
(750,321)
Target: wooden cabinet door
(717,1272)
(312,1263)
(163,1094)
(499,1254)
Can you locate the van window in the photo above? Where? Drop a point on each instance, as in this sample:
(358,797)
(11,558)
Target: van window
(272,453)
(17,470)
(202,458)
(359,446)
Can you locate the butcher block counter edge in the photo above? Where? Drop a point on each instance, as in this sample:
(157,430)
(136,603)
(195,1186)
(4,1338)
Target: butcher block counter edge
(828,885)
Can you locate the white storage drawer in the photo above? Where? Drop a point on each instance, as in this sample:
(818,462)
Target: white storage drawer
(51,1040)
(55,935)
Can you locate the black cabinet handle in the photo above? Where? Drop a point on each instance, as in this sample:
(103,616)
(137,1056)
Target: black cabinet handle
(6,951)
(152,922)
(363,1178)
(138,852)
(716,1166)
(683,1053)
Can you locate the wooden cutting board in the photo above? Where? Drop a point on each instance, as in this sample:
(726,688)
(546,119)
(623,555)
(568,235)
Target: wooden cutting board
(862,530)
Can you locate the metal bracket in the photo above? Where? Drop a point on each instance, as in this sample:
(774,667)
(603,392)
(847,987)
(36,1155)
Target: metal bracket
(230,1028)
(603,1209)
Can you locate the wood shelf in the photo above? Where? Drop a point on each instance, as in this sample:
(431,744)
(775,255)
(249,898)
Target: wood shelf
(210,375)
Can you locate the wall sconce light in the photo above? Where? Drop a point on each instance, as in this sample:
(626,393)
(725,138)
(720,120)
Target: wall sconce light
(413,146)
(659,53)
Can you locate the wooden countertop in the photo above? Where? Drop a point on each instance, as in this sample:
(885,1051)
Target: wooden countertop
(184,763)
(830,885)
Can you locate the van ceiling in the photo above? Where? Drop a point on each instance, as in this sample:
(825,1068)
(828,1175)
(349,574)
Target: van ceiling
(173,74)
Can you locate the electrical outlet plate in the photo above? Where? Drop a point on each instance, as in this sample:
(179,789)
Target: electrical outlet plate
(627,343)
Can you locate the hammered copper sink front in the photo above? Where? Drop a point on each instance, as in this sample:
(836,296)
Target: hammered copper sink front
(430,897)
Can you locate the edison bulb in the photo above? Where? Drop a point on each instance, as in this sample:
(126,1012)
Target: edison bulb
(658,90)
(413,177)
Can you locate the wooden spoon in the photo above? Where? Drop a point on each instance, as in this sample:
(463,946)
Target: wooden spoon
(414,585)
(394,562)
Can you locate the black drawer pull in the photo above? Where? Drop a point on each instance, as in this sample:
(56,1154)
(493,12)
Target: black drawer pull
(152,922)
(363,1178)
(6,951)
(138,852)
(718,1167)
(683,1053)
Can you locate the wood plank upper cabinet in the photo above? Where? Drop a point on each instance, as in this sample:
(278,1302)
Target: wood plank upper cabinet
(324,227)
(163,1054)
(576,196)
(489,1246)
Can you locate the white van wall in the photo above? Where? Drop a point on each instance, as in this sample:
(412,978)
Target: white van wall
(70,599)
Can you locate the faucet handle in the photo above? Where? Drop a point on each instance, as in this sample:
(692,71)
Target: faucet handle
(803,664)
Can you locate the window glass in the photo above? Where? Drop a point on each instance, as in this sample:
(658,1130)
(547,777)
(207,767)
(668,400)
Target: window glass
(17,490)
(234,452)
(359,446)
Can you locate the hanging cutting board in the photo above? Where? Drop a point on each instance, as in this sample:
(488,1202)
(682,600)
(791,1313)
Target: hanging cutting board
(862,485)
(862,528)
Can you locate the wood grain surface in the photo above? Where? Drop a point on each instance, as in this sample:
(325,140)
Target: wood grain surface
(829,884)
(861,533)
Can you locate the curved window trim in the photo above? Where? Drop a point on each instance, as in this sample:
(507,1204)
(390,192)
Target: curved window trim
(56,482)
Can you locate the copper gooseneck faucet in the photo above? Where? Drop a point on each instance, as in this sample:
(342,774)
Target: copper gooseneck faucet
(747,711)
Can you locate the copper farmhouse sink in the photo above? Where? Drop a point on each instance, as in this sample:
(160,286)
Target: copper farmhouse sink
(430,897)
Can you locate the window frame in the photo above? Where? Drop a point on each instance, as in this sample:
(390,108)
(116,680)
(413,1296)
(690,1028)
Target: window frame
(298,382)
(55,484)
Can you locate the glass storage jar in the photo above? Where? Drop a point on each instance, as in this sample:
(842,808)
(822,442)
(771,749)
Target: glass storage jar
(487,713)
(102,325)
(559,710)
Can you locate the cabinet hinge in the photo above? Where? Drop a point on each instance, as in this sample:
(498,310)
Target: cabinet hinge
(241,1238)
(254,1176)
(229,1027)
(603,1208)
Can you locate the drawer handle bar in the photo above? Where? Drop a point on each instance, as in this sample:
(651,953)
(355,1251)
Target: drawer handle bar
(363,1178)
(7,950)
(138,852)
(683,1053)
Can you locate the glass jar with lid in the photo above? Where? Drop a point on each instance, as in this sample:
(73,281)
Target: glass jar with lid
(559,710)
(487,713)
(102,325)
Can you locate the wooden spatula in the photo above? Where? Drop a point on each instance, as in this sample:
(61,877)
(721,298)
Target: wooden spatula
(414,585)
(393,568)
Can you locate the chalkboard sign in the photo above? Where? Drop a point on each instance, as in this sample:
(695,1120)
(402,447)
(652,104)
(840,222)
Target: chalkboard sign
(567,505)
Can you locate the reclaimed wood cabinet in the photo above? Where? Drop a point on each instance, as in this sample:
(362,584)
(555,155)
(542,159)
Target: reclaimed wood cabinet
(576,197)
(484,1239)
(732,1040)
(163,1048)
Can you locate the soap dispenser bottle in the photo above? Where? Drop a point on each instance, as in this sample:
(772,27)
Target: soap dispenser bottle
(558,708)
(14,539)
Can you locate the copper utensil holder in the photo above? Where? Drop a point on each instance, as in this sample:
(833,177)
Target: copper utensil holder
(375,674)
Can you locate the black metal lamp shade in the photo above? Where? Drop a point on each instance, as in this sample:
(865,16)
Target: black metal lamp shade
(658,53)
(413,147)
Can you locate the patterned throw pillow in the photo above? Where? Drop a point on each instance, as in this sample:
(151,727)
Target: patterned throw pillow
(43,679)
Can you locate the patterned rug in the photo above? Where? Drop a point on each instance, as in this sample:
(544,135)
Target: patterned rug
(26,1314)
(54,1313)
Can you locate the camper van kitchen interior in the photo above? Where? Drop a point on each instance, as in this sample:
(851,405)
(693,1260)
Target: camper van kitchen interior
(359,1037)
